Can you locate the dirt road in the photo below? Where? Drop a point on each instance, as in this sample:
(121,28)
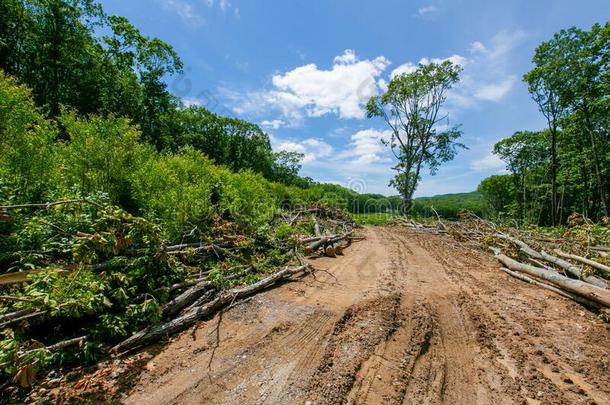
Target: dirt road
(401,318)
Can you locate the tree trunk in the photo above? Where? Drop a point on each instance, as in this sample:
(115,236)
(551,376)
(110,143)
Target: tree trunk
(553,175)
(596,164)
(157,332)
(588,291)
(567,266)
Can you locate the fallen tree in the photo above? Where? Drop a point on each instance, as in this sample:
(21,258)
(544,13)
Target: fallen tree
(584,260)
(590,292)
(581,300)
(157,332)
(96,275)
(542,255)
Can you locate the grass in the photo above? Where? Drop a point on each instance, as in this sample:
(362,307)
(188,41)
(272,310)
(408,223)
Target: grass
(380,218)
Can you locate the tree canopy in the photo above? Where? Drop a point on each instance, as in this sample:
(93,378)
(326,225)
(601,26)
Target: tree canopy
(411,107)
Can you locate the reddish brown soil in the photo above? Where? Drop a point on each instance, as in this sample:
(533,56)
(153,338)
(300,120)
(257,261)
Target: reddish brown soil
(401,318)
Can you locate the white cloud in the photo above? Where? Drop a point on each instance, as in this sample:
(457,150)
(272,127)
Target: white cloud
(366,147)
(190,101)
(313,149)
(477,47)
(273,124)
(404,68)
(308,91)
(490,162)
(185,11)
(410,67)
(427,10)
(495,91)
(504,42)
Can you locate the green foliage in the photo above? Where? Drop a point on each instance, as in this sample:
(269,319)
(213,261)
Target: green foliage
(498,192)
(101,155)
(376,219)
(26,141)
(448,206)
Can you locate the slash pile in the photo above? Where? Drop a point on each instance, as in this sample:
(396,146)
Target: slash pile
(573,262)
(80,280)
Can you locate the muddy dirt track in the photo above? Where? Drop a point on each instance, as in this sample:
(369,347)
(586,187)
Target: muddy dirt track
(401,318)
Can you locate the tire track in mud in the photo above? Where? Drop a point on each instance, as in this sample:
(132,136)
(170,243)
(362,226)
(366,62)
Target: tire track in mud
(405,318)
(516,329)
(355,337)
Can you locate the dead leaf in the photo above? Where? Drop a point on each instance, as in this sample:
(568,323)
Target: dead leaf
(25,375)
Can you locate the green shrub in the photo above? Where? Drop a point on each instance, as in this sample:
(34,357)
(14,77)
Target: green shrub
(27,158)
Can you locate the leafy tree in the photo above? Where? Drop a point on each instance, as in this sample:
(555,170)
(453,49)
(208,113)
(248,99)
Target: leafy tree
(523,152)
(411,108)
(498,193)
(27,160)
(544,82)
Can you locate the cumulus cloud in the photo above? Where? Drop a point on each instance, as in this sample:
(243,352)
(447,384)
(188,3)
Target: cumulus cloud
(488,163)
(366,147)
(495,91)
(273,124)
(404,68)
(313,149)
(309,91)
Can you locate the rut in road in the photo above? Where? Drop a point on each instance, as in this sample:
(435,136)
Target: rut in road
(403,318)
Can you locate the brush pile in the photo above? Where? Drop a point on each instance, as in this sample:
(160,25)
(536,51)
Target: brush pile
(573,262)
(80,280)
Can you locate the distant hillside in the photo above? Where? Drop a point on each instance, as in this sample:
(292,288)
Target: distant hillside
(448,205)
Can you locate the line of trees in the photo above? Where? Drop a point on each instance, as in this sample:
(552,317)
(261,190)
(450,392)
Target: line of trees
(565,167)
(75,57)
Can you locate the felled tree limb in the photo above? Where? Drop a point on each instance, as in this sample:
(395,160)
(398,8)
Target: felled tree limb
(156,332)
(567,266)
(17,314)
(574,297)
(591,292)
(584,260)
(186,298)
(57,346)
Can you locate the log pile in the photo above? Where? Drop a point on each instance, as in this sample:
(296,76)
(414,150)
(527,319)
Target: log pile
(573,265)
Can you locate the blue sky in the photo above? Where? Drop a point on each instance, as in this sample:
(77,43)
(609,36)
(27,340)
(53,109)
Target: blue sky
(303,69)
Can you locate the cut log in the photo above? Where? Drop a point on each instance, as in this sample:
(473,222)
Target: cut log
(567,266)
(584,260)
(157,332)
(574,297)
(186,298)
(339,250)
(312,247)
(591,292)
(574,270)
(330,251)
